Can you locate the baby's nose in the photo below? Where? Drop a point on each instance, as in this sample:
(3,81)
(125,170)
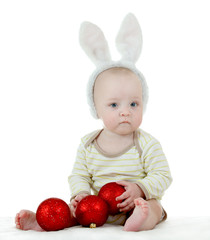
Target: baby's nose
(125,113)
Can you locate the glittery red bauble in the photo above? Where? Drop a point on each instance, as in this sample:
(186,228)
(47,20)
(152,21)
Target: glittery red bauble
(54,214)
(92,210)
(108,193)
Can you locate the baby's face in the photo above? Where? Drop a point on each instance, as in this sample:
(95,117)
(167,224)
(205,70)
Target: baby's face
(118,100)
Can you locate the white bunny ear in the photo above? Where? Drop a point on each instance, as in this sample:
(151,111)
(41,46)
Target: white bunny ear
(129,39)
(94,44)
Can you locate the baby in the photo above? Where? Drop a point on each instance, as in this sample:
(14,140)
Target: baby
(121,151)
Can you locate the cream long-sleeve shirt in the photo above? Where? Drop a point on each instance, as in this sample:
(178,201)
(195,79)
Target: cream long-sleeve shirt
(143,163)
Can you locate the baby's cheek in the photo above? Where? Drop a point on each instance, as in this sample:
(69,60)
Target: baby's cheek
(109,121)
(138,120)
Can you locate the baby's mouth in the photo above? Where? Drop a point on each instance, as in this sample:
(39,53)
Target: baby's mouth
(125,122)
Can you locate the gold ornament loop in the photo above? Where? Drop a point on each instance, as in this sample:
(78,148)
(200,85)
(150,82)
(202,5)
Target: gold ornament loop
(92,225)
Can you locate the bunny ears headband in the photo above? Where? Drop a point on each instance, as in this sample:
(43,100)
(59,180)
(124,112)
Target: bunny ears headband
(129,45)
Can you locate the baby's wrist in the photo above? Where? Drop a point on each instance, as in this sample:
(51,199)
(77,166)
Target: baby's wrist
(141,193)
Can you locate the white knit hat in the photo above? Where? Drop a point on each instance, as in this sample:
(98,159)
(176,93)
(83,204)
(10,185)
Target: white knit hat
(128,43)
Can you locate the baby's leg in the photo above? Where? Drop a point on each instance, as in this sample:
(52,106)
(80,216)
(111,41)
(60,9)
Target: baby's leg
(26,220)
(146,215)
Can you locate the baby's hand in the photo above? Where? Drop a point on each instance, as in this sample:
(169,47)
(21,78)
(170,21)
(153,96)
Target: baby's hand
(132,191)
(75,201)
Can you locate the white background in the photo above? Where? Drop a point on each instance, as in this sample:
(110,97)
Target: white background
(43,109)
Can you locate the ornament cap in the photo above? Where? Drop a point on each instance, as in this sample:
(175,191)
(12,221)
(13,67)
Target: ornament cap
(92,225)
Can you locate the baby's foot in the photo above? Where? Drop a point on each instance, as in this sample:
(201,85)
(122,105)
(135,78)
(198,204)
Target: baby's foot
(26,220)
(138,217)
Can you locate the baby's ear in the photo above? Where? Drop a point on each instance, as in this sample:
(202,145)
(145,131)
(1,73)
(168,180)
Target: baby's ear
(129,39)
(94,44)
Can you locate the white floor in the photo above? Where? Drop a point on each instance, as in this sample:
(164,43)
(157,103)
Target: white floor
(192,228)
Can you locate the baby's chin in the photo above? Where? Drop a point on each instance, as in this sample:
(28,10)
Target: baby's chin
(125,129)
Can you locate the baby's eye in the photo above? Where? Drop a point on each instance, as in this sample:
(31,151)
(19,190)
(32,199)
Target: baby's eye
(133,104)
(114,105)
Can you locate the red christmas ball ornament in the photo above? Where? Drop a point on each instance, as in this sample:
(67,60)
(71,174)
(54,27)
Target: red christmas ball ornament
(92,211)
(108,193)
(54,214)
